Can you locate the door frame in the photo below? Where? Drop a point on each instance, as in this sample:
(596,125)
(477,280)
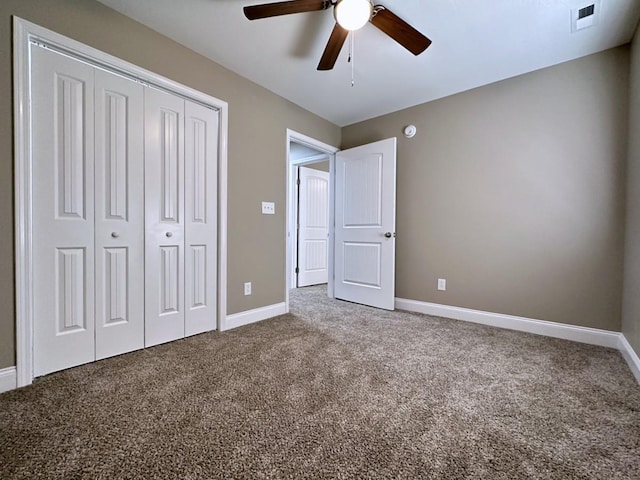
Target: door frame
(26,33)
(327,152)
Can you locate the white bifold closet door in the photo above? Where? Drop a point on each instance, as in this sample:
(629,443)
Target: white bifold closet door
(124,213)
(180,202)
(201,218)
(119,215)
(164,205)
(87,212)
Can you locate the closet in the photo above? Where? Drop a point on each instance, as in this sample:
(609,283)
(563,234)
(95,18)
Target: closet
(124,213)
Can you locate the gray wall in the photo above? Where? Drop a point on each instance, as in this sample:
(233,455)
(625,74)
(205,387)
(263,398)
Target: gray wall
(631,298)
(258,120)
(514,192)
(323,166)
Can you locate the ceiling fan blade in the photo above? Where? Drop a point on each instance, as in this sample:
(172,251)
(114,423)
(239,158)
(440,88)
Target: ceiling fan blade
(400,31)
(332,50)
(254,12)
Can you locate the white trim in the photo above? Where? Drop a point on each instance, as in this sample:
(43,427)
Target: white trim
(22,167)
(256,315)
(24,33)
(222,216)
(310,142)
(329,151)
(292,234)
(630,356)
(321,157)
(8,379)
(593,336)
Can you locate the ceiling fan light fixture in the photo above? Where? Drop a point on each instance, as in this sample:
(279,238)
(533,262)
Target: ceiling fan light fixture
(353,14)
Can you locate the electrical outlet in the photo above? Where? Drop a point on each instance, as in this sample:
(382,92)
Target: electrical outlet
(442,284)
(268,208)
(247,288)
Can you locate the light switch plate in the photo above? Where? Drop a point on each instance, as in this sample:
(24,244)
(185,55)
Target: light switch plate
(268,208)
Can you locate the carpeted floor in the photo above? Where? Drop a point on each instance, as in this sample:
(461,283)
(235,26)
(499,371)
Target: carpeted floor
(333,390)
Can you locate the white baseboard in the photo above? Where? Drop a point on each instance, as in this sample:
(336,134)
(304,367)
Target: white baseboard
(8,379)
(255,315)
(593,336)
(630,356)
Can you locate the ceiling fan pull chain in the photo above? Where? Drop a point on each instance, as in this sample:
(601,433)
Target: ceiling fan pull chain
(351,56)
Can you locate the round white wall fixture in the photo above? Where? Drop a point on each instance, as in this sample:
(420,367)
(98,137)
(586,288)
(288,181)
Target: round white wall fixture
(409,131)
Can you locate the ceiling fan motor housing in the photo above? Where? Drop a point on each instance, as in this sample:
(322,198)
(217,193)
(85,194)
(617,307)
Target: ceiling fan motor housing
(353,14)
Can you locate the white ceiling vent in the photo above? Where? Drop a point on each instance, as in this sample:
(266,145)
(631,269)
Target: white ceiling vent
(586,16)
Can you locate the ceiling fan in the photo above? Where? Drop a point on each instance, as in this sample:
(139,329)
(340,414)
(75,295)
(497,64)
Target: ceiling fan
(350,15)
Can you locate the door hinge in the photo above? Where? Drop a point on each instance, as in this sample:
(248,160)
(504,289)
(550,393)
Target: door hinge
(297,270)
(298,182)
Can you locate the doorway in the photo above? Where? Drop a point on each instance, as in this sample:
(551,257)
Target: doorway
(311,215)
(362,204)
(315,159)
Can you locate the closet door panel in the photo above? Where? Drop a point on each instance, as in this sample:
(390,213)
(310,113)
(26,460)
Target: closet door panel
(63,211)
(119,217)
(201,161)
(164,217)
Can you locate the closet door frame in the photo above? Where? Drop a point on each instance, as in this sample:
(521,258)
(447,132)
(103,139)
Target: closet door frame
(25,34)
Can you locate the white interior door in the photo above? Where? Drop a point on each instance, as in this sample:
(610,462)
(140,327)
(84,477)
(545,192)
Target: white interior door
(365,224)
(201,218)
(119,214)
(63,211)
(313,226)
(164,217)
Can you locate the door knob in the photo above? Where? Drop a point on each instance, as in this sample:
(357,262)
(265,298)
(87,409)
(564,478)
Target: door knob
(169,234)
(388,234)
(115,234)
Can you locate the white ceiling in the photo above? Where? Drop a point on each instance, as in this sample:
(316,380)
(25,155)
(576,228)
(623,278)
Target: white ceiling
(474,43)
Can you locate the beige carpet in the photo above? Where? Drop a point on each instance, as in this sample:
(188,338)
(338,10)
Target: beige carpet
(333,390)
